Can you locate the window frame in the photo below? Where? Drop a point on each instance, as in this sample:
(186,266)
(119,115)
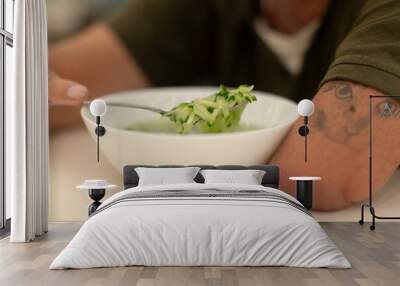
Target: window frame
(6,39)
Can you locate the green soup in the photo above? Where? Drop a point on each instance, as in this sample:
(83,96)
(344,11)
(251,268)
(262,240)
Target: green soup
(164,125)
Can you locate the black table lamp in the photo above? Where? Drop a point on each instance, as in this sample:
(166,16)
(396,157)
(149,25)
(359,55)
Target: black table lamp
(304,184)
(98,108)
(305,108)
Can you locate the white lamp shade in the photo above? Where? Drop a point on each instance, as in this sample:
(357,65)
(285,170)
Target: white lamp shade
(98,107)
(305,107)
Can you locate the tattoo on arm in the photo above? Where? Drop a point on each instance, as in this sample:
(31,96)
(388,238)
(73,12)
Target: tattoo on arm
(340,121)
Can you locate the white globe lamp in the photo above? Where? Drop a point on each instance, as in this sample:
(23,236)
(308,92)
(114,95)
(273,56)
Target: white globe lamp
(98,108)
(305,108)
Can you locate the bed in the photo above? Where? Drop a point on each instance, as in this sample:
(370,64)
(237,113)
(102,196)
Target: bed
(201,224)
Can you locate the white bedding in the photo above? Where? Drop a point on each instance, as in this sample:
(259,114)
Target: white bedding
(185,231)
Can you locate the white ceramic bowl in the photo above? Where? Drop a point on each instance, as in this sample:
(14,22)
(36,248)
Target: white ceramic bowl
(121,147)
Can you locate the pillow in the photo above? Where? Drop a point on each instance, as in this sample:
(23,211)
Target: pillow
(162,176)
(248,177)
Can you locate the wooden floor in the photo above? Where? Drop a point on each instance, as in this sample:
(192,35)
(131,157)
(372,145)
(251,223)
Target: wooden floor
(375,257)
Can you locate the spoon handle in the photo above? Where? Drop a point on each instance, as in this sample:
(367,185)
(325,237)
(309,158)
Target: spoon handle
(130,105)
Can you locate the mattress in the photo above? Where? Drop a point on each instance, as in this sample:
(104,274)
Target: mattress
(201,225)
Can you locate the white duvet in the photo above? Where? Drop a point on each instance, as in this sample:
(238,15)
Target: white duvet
(200,231)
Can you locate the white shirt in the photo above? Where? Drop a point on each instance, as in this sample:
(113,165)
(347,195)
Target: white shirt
(290,49)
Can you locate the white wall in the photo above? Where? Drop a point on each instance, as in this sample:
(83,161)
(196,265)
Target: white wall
(73,159)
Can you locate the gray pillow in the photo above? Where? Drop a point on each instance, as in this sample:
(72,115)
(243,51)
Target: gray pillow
(163,176)
(247,177)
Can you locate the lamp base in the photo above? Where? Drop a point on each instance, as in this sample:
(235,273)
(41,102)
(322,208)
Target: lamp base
(100,130)
(304,131)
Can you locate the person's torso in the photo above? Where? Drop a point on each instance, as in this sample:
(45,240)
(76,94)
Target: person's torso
(241,56)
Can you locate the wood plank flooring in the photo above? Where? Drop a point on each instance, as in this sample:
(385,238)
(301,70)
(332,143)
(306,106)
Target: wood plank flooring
(375,257)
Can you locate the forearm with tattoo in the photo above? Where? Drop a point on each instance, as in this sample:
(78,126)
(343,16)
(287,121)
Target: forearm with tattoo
(343,121)
(339,145)
(347,122)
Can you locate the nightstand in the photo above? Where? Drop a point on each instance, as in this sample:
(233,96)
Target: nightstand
(304,187)
(96,190)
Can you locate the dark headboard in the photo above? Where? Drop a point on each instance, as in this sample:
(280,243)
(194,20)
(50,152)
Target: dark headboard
(271,177)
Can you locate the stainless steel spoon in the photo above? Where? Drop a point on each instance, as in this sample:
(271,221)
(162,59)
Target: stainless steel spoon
(130,105)
(144,107)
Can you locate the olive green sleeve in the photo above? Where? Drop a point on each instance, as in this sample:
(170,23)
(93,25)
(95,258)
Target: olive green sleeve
(370,53)
(169,39)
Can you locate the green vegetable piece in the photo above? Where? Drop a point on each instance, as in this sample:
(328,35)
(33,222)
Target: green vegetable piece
(216,113)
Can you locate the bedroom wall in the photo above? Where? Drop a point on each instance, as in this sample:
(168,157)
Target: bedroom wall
(73,159)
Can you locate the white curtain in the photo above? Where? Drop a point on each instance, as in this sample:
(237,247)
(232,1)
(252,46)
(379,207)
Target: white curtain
(27,123)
